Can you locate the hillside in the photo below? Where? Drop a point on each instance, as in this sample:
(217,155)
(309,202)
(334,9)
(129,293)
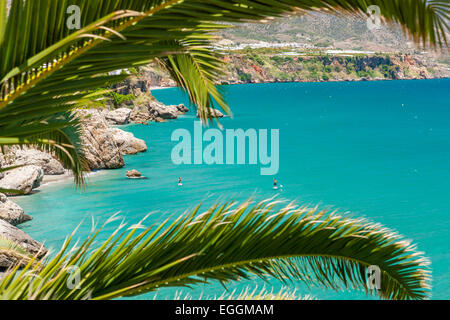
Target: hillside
(323,30)
(315,47)
(318,47)
(283,65)
(318,30)
(266,66)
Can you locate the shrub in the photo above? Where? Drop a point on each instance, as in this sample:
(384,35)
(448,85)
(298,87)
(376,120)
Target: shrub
(118,98)
(245,77)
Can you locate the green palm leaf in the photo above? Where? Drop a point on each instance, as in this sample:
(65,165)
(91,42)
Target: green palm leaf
(14,252)
(227,243)
(58,134)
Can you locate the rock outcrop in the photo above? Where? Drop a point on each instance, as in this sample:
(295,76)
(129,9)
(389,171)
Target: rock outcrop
(49,165)
(141,115)
(12,234)
(105,146)
(101,150)
(119,116)
(3,164)
(162,111)
(182,109)
(24,179)
(11,212)
(156,111)
(127,142)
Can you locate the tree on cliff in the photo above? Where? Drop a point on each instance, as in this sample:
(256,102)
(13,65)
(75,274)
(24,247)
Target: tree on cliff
(53,51)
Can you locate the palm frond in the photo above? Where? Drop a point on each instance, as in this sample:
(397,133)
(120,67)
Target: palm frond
(285,293)
(228,243)
(14,252)
(264,294)
(58,134)
(198,71)
(10,191)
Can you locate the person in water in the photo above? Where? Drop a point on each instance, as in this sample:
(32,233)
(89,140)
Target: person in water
(275,182)
(179,180)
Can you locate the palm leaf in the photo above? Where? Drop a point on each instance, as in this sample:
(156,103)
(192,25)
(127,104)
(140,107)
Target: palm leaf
(14,252)
(227,243)
(58,134)
(197,72)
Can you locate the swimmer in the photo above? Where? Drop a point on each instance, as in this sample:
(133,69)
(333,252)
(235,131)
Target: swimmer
(180,182)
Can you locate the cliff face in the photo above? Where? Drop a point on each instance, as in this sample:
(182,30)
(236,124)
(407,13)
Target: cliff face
(256,68)
(268,65)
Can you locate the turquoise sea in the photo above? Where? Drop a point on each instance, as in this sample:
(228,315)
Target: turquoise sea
(380,150)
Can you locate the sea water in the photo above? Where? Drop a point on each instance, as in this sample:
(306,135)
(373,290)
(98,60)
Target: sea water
(379,150)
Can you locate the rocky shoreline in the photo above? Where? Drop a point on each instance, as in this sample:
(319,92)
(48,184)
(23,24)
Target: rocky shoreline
(104,144)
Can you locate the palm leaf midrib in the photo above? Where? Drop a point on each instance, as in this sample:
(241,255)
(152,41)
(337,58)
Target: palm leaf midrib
(199,272)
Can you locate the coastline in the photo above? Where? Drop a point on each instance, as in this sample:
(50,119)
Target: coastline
(105,141)
(260,66)
(51,180)
(310,81)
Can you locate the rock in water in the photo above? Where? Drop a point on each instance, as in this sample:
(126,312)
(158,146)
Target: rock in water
(156,111)
(134,174)
(182,108)
(164,112)
(214,112)
(24,179)
(141,115)
(118,116)
(24,241)
(11,212)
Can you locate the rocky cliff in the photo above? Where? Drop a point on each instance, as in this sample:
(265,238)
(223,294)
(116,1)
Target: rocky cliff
(266,66)
(287,65)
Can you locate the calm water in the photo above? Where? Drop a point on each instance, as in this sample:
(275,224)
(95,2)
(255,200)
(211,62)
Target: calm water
(376,149)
